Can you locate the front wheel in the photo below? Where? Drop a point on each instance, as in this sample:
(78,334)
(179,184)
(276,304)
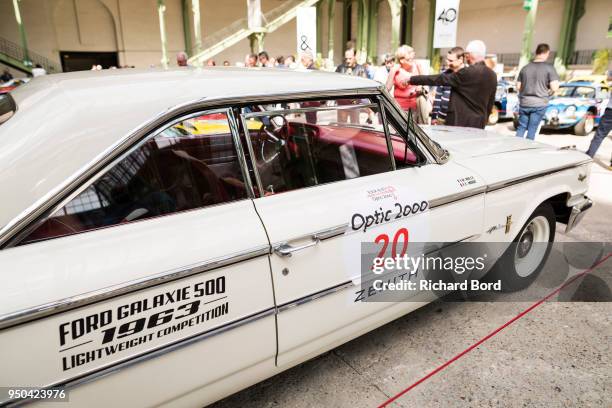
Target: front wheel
(585,126)
(523,261)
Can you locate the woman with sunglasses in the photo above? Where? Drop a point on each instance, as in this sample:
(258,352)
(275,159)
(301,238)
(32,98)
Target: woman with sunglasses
(405,93)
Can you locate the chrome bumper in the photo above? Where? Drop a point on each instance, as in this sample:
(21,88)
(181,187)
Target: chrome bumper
(578,211)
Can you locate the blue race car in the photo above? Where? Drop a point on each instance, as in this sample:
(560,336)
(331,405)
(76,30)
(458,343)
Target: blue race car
(505,101)
(576,105)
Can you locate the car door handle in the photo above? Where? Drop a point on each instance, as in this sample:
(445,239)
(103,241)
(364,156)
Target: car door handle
(287,250)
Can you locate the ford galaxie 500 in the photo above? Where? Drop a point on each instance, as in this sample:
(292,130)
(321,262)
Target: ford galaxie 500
(171,237)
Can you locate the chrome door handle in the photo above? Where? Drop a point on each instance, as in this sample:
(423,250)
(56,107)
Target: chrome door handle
(287,250)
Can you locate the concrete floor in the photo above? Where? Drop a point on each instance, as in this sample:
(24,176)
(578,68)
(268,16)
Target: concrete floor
(556,356)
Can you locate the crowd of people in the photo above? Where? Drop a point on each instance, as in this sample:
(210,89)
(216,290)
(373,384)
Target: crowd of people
(463,94)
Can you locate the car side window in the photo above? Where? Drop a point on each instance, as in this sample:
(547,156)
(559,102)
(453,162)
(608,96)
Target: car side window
(303,144)
(190,164)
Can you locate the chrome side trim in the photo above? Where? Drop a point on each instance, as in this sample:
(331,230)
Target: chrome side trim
(314,296)
(41,207)
(440,201)
(73,302)
(86,378)
(522,179)
(331,232)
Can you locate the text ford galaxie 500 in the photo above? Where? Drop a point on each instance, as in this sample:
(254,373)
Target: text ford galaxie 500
(171,237)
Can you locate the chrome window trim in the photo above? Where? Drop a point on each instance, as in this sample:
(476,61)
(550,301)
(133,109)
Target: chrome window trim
(234,128)
(305,110)
(84,299)
(383,117)
(249,143)
(399,116)
(42,205)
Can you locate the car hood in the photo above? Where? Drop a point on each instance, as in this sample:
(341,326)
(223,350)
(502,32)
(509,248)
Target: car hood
(471,142)
(564,100)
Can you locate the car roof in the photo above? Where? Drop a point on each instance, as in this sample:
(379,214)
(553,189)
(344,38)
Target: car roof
(64,122)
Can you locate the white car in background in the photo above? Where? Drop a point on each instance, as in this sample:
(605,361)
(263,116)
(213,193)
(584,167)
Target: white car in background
(171,237)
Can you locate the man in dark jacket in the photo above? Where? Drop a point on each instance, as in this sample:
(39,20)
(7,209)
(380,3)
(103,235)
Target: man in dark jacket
(350,65)
(473,89)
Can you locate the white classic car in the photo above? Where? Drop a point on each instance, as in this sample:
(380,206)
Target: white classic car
(171,237)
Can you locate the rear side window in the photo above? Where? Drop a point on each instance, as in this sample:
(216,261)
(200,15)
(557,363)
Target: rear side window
(191,164)
(308,143)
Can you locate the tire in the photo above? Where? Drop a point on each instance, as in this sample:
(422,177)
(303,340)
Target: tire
(522,262)
(585,126)
(494,116)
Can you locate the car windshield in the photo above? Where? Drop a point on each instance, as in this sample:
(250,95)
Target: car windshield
(576,91)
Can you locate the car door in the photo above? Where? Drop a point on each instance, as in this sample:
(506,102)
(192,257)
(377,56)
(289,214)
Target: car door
(150,282)
(329,184)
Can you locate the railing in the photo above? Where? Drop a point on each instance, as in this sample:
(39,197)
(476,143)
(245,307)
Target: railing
(18,53)
(277,12)
(581,57)
(219,36)
(239,29)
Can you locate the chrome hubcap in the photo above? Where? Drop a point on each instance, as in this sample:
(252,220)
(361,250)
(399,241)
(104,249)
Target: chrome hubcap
(531,247)
(589,124)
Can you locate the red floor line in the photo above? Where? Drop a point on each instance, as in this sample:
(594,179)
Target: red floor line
(494,332)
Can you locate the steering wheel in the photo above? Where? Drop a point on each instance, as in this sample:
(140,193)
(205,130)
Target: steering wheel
(271,138)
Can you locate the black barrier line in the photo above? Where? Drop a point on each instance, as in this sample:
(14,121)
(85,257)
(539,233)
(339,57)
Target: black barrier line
(494,332)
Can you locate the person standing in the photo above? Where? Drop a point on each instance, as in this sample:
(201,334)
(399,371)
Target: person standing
(405,93)
(250,61)
(382,73)
(605,125)
(536,82)
(472,88)
(307,60)
(38,70)
(181,59)
(264,60)
(454,62)
(6,76)
(350,65)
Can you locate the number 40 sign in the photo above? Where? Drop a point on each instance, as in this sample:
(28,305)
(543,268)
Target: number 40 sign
(445,24)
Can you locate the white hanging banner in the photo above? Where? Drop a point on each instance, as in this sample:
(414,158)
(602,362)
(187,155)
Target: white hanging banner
(445,24)
(306,22)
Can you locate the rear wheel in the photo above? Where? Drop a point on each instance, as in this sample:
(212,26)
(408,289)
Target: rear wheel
(585,126)
(523,261)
